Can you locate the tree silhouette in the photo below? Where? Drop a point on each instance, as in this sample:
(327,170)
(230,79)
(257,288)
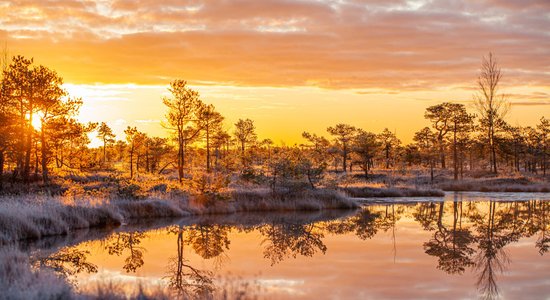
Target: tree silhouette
(491,105)
(285,240)
(245,133)
(181,118)
(451,245)
(461,122)
(211,121)
(389,143)
(366,147)
(343,134)
(130,242)
(186,280)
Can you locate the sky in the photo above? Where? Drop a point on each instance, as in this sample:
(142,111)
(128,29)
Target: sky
(291,66)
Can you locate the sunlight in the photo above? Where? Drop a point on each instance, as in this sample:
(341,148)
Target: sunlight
(36,122)
(274,149)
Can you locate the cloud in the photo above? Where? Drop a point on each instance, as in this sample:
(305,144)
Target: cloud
(405,45)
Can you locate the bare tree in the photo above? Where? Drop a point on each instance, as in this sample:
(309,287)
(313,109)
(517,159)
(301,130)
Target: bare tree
(491,105)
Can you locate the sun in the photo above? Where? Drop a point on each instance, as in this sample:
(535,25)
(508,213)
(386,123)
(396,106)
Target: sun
(36,121)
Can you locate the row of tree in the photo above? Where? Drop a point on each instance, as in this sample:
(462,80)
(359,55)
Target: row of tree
(199,140)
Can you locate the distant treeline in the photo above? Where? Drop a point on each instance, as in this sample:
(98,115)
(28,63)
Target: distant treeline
(457,139)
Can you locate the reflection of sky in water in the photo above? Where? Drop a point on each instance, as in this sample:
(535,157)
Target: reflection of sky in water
(383,251)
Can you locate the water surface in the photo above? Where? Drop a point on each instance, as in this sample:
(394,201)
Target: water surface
(489,248)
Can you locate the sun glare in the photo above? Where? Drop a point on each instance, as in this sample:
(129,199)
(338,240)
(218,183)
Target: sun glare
(36,121)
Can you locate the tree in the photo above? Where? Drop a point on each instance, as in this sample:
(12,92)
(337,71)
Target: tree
(245,132)
(57,109)
(105,133)
(343,134)
(18,87)
(158,149)
(389,143)
(182,114)
(491,105)
(32,92)
(366,146)
(135,140)
(52,104)
(427,141)
(220,140)
(211,121)
(440,115)
(544,130)
(318,148)
(461,122)
(8,117)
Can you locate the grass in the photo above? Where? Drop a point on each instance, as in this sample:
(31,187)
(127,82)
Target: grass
(19,280)
(27,219)
(109,199)
(34,217)
(370,192)
(499,184)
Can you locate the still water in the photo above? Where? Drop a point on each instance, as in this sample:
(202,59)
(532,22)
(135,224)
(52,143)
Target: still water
(453,249)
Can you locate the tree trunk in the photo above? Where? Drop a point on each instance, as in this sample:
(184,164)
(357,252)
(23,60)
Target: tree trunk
(104,151)
(132,161)
(2,169)
(442,153)
(180,162)
(44,156)
(207,149)
(242,153)
(345,157)
(455,155)
(431,171)
(387,157)
(28,149)
(493,149)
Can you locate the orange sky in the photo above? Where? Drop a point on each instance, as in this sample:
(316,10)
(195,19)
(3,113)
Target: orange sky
(289,65)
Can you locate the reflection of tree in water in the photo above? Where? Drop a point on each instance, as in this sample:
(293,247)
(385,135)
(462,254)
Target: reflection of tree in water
(494,230)
(465,235)
(209,241)
(490,229)
(538,222)
(426,214)
(128,241)
(364,224)
(66,262)
(186,280)
(285,240)
(450,245)
(388,221)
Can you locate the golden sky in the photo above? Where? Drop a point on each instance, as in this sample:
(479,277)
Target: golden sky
(289,65)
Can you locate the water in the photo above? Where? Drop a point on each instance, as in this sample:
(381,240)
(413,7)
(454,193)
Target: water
(487,248)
